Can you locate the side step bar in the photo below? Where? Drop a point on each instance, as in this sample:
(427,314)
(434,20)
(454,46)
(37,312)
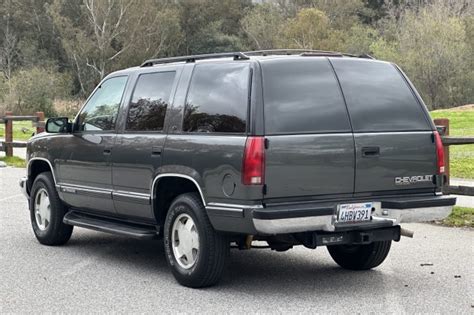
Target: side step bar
(110,225)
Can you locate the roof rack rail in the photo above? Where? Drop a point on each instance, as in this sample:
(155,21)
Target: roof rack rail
(366,56)
(193,58)
(304,52)
(290,52)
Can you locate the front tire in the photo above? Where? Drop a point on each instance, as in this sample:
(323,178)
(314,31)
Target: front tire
(47,212)
(195,252)
(360,257)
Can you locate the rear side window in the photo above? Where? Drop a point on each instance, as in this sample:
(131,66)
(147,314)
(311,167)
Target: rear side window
(303,96)
(378,97)
(150,99)
(217,99)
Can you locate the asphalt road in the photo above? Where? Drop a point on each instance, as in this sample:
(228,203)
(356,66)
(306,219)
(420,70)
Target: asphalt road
(98,272)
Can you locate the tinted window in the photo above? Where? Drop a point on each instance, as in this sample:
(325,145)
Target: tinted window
(377,96)
(217,98)
(150,99)
(100,112)
(303,96)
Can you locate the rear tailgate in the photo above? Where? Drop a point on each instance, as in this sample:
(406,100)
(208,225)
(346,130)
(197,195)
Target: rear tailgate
(310,147)
(394,143)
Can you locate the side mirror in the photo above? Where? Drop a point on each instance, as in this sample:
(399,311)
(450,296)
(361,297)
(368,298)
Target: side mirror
(58,125)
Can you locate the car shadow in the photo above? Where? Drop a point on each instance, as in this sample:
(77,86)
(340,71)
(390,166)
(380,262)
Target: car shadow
(256,271)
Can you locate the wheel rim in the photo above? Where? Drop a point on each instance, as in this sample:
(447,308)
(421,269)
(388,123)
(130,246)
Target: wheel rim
(185,241)
(42,209)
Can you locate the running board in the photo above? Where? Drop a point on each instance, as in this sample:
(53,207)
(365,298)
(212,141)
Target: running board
(110,225)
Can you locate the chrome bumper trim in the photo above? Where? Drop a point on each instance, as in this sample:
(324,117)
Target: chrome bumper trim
(294,225)
(23,187)
(416,214)
(328,222)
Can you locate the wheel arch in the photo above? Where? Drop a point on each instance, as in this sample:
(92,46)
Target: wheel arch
(166,187)
(38,165)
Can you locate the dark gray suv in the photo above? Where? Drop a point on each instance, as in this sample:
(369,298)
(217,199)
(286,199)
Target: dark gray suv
(292,148)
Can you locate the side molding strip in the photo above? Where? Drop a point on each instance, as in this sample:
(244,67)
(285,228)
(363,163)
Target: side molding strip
(119,195)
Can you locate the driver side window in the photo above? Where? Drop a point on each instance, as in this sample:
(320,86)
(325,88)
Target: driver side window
(100,112)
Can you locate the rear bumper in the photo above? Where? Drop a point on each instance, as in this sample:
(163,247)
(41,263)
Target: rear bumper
(283,219)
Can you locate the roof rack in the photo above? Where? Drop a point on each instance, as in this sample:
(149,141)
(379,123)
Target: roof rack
(313,52)
(304,52)
(193,58)
(366,56)
(245,55)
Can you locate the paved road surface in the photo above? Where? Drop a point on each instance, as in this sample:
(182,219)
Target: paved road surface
(98,272)
(20,152)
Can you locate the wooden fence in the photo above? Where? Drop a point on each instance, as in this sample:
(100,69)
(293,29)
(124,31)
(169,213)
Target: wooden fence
(442,124)
(8,144)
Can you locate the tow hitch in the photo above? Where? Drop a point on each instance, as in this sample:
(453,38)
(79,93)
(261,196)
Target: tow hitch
(315,239)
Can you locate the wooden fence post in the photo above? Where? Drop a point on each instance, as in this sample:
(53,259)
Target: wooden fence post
(445,123)
(8,135)
(39,127)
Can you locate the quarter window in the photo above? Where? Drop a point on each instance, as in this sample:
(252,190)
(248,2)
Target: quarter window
(218,98)
(100,112)
(150,99)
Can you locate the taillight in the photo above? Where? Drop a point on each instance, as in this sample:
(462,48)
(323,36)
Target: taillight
(253,167)
(439,152)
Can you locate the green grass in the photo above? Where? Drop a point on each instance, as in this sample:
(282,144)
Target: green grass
(461,123)
(18,134)
(460,216)
(13,161)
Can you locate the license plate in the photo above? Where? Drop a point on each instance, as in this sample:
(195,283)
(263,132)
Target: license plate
(354,212)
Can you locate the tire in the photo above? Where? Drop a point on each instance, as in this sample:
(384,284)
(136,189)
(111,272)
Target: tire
(49,230)
(209,250)
(360,257)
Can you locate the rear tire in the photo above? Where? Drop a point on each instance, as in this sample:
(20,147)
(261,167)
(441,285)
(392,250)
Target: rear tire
(195,252)
(47,212)
(360,257)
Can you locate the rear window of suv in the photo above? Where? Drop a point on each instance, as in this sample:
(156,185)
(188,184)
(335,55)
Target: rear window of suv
(302,96)
(378,97)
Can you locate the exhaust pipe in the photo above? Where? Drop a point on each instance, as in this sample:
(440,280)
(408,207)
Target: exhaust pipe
(406,233)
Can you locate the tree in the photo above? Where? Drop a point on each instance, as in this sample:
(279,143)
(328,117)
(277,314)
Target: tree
(100,36)
(97,36)
(435,56)
(8,52)
(359,39)
(310,29)
(263,25)
(211,25)
(34,89)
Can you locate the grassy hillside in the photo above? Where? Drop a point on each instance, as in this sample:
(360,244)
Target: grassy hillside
(461,123)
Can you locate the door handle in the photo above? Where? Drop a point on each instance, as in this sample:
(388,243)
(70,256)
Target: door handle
(155,151)
(107,151)
(370,151)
